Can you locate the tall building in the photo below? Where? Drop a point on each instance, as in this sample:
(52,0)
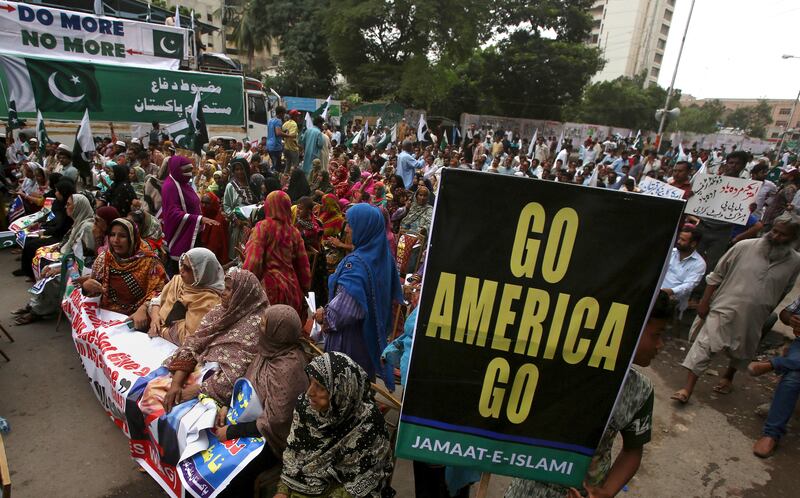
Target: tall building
(632,35)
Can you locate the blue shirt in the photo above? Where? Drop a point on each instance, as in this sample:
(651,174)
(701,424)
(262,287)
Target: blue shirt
(274,142)
(406,164)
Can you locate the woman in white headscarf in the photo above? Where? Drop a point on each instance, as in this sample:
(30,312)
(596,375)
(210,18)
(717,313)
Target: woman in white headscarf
(185,300)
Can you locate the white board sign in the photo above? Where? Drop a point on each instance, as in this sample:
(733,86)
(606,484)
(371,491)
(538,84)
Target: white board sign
(722,198)
(651,186)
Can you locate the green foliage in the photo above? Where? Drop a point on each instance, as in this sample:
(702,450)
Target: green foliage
(621,102)
(752,119)
(700,119)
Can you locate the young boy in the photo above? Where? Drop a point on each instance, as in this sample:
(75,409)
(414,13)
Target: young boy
(632,416)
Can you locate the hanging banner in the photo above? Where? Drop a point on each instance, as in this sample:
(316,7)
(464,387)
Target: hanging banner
(722,198)
(66,34)
(64,90)
(537,304)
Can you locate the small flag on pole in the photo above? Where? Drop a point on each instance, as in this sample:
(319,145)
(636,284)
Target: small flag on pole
(456,135)
(422,130)
(83,149)
(327,108)
(41,133)
(532,145)
(309,121)
(99,10)
(177,17)
(198,125)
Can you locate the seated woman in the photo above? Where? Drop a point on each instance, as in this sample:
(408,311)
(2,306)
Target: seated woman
(185,300)
(278,376)
(46,303)
(338,445)
(366,283)
(120,194)
(214,237)
(276,254)
(416,217)
(52,230)
(228,335)
(127,275)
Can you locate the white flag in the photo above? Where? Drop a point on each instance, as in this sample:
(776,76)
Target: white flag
(84,138)
(533,142)
(327,107)
(177,17)
(593,178)
(560,142)
(20,88)
(309,121)
(99,10)
(422,129)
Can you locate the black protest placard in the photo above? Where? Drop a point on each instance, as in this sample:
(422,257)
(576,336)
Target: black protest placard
(534,296)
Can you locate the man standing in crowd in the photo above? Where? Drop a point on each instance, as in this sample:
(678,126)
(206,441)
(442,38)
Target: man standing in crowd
(64,156)
(291,149)
(767,190)
(741,292)
(275,138)
(313,141)
(685,269)
(407,164)
(681,179)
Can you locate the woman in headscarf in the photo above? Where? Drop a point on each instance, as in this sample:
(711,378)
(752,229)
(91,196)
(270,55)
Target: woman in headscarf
(149,227)
(258,186)
(136,177)
(185,300)
(379,196)
(237,194)
(214,238)
(330,214)
(276,254)
(338,445)
(227,335)
(415,217)
(180,210)
(103,218)
(127,275)
(120,194)
(53,229)
(46,303)
(341,183)
(310,228)
(365,285)
(277,374)
(298,185)
(320,184)
(316,168)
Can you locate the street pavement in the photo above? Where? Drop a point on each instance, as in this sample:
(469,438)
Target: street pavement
(63,445)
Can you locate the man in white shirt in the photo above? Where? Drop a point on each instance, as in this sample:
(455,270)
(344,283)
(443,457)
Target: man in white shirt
(767,190)
(686,268)
(563,155)
(541,151)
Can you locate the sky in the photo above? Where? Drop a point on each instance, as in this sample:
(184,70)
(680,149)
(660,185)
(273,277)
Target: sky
(733,49)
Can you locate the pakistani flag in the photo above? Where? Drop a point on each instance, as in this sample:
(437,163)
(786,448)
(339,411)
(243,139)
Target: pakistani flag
(13,118)
(197,123)
(83,150)
(180,133)
(422,130)
(388,138)
(325,108)
(168,44)
(41,134)
(50,85)
(443,142)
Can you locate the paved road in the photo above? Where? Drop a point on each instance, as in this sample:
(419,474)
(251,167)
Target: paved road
(63,445)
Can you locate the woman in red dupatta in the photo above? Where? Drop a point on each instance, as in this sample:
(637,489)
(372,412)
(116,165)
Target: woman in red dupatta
(276,254)
(330,214)
(214,238)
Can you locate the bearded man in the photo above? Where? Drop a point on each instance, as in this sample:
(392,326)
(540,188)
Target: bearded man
(746,285)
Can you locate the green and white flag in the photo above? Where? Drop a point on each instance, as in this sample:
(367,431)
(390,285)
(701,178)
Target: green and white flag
(181,134)
(13,118)
(50,85)
(197,123)
(41,133)
(389,137)
(83,149)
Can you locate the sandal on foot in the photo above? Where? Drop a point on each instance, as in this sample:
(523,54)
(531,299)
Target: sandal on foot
(720,389)
(680,397)
(26,319)
(22,311)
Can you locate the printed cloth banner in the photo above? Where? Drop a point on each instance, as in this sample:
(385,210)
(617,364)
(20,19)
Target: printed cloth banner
(537,335)
(70,35)
(124,369)
(722,198)
(66,89)
(651,186)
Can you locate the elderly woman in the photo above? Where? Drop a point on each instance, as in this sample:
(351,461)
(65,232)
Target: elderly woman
(185,300)
(228,335)
(278,376)
(366,283)
(338,445)
(276,254)
(127,274)
(415,217)
(46,303)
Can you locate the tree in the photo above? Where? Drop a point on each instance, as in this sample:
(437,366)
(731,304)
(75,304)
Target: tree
(753,119)
(700,119)
(298,27)
(621,102)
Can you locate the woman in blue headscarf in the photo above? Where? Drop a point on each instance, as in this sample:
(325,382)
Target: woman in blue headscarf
(358,319)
